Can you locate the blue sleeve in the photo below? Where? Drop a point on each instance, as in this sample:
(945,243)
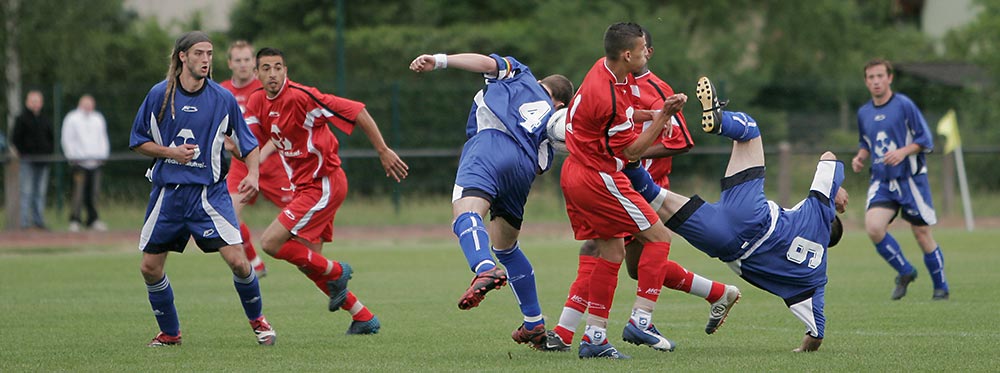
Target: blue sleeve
(829,176)
(919,128)
(862,142)
(142,126)
(244,139)
(507,67)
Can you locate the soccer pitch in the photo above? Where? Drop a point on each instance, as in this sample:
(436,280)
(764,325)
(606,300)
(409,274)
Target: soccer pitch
(86,310)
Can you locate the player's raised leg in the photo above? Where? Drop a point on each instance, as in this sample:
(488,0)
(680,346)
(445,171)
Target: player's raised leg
(474,239)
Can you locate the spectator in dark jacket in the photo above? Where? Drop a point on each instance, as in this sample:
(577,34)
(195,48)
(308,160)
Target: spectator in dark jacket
(32,138)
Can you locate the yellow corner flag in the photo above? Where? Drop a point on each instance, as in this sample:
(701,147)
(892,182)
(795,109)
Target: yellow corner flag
(948,127)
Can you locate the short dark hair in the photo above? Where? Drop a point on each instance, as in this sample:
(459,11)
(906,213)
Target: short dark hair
(620,37)
(876,62)
(267,52)
(560,86)
(648,37)
(836,232)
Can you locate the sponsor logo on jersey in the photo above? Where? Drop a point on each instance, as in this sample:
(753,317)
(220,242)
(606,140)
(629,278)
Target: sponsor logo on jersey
(189,109)
(879,117)
(274,114)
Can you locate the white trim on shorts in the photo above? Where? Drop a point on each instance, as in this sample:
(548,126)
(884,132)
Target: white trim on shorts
(324,201)
(227,231)
(633,211)
(147,227)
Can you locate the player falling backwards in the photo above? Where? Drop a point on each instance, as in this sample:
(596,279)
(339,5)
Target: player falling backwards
(782,251)
(507,148)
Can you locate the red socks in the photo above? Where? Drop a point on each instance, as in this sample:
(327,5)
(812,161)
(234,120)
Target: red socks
(652,269)
(603,281)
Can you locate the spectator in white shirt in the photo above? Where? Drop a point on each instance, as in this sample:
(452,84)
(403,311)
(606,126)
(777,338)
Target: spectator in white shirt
(85,144)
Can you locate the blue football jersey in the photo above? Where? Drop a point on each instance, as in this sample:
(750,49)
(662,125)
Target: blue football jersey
(791,258)
(514,103)
(891,126)
(202,118)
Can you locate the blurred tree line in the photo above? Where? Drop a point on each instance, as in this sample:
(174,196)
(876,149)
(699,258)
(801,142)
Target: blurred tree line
(796,65)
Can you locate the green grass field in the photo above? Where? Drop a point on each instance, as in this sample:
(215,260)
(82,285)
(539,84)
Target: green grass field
(86,310)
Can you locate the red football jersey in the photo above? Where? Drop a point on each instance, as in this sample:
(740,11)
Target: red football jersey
(599,125)
(242,93)
(295,120)
(652,92)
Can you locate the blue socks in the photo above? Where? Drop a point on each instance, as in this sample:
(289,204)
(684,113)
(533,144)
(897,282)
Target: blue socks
(161,298)
(739,126)
(642,182)
(474,240)
(521,277)
(249,290)
(935,265)
(889,250)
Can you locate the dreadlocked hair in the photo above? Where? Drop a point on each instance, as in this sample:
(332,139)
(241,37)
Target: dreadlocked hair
(183,43)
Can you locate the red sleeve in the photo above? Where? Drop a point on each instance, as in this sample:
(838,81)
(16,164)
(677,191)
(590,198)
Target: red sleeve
(338,111)
(681,138)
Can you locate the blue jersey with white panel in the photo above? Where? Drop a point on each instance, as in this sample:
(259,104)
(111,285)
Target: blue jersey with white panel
(891,126)
(513,102)
(792,258)
(203,118)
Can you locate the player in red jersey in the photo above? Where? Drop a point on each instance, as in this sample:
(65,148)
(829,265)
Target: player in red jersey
(296,117)
(274,184)
(657,159)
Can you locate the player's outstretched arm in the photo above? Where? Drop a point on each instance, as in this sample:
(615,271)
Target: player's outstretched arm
(809,344)
(473,62)
(393,165)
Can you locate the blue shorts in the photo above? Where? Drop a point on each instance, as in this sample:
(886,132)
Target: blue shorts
(911,195)
(724,229)
(177,212)
(495,168)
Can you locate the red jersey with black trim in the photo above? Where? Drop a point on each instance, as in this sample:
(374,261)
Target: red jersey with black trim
(242,93)
(652,92)
(296,122)
(599,125)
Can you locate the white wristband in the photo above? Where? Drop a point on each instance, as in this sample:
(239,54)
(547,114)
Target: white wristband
(440,61)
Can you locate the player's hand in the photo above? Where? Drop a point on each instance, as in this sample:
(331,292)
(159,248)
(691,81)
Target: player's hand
(184,153)
(248,188)
(424,62)
(394,167)
(858,163)
(894,157)
(674,104)
(840,201)
(809,344)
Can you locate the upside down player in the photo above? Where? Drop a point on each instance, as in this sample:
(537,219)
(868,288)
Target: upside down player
(657,159)
(507,147)
(296,117)
(273,182)
(782,251)
(189,196)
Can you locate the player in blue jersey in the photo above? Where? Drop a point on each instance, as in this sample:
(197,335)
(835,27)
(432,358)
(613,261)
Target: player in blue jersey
(507,147)
(782,251)
(183,124)
(895,136)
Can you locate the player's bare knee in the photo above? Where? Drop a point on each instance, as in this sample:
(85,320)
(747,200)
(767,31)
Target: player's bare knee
(589,248)
(828,156)
(151,273)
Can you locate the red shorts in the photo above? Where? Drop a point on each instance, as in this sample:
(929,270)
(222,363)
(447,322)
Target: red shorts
(602,205)
(312,210)
(273,182)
